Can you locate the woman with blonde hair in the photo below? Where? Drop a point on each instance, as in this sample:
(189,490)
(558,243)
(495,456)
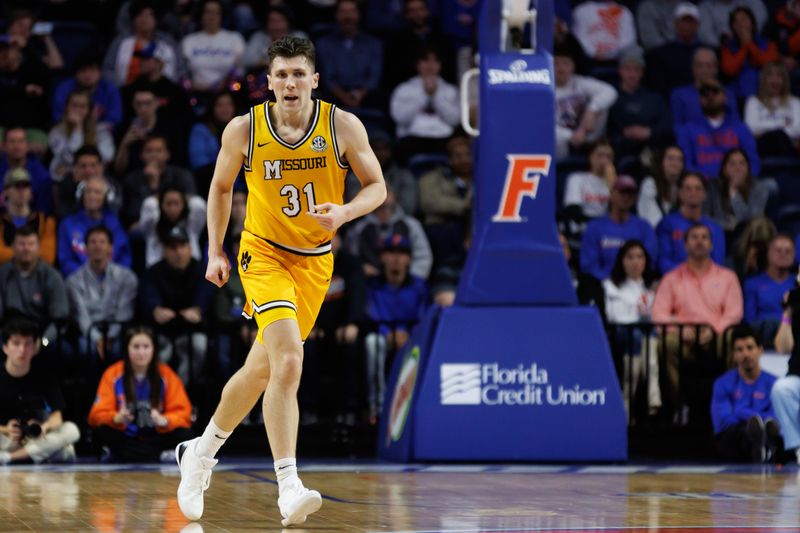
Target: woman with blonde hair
(773,115)
(78,127)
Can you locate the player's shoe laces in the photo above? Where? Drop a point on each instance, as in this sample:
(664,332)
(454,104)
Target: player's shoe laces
(195,478)
(297,502)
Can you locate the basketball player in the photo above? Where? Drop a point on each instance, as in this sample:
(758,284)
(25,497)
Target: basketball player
(295,152)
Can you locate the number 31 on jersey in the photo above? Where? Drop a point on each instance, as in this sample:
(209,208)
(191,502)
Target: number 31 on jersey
(293,196)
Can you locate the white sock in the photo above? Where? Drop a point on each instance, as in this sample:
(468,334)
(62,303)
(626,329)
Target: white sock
(212,440)
(5,458)
(286,472)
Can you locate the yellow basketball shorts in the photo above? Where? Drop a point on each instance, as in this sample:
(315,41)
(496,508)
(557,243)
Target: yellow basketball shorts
(280,284)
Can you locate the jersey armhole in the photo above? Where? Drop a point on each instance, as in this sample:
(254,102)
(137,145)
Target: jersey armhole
(333,137)
(249,162)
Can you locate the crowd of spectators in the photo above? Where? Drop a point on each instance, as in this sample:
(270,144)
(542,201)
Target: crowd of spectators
(677,149)
(110,134)
(109,142)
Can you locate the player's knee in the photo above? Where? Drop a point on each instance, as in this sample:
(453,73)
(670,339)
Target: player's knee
(290,368)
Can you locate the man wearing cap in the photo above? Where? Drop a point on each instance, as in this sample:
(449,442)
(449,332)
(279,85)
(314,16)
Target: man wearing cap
(366,238)
(105,95)
(705,141)
(685,101)
(17,195)
(604,236)
(17,155)
(175,295)
(671,61)
(639,117)
(396,301)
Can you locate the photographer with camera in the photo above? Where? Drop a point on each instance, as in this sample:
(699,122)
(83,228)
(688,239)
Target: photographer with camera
(31,424)
(786,391)
(141,411)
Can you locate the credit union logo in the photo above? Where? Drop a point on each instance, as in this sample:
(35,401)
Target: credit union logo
(491,384)
(461,384)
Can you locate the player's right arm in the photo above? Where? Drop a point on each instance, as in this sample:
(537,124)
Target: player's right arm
(235,140)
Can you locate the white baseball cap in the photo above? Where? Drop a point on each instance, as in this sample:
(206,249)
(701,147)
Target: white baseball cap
(686,9)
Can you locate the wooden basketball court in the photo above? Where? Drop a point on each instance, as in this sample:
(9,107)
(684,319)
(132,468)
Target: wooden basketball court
(410,499)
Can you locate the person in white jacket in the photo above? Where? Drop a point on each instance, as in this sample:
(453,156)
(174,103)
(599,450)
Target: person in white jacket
(176,208)
(582,104)
(773,115)
(425,108)
(604,29)
(629,295)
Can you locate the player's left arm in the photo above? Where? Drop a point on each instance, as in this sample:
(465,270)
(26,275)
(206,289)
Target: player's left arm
(352,139)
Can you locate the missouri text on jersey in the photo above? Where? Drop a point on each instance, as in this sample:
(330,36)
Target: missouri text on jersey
(273,169)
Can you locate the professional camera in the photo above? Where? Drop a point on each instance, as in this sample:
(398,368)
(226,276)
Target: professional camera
(32,430)
(142,417)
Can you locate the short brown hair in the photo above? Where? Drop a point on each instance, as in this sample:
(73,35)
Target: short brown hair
(290,46)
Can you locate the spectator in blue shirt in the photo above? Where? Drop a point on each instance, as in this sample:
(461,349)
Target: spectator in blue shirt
(396,301)
(745,428)
(604,236)
(763,293)
(706,140)
(73,229)
(17,155)
(106,98)
(204,139)
(685,101)
(670,231)
(350,60)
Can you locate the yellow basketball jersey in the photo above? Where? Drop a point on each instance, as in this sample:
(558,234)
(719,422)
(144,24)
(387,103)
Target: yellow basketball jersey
(284,180)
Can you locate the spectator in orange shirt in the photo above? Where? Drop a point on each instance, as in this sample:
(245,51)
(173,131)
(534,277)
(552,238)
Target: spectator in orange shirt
(141,411)
(698,292)
(745,52)
(17,193)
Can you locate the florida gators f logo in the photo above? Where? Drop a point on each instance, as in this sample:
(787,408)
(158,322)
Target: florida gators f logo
(522,179)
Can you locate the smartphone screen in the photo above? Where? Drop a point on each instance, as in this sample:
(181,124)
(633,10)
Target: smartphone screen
(42,28)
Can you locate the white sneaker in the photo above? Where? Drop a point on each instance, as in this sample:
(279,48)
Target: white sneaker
(195,478)
(296,503)
(67,455)
(797,453)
